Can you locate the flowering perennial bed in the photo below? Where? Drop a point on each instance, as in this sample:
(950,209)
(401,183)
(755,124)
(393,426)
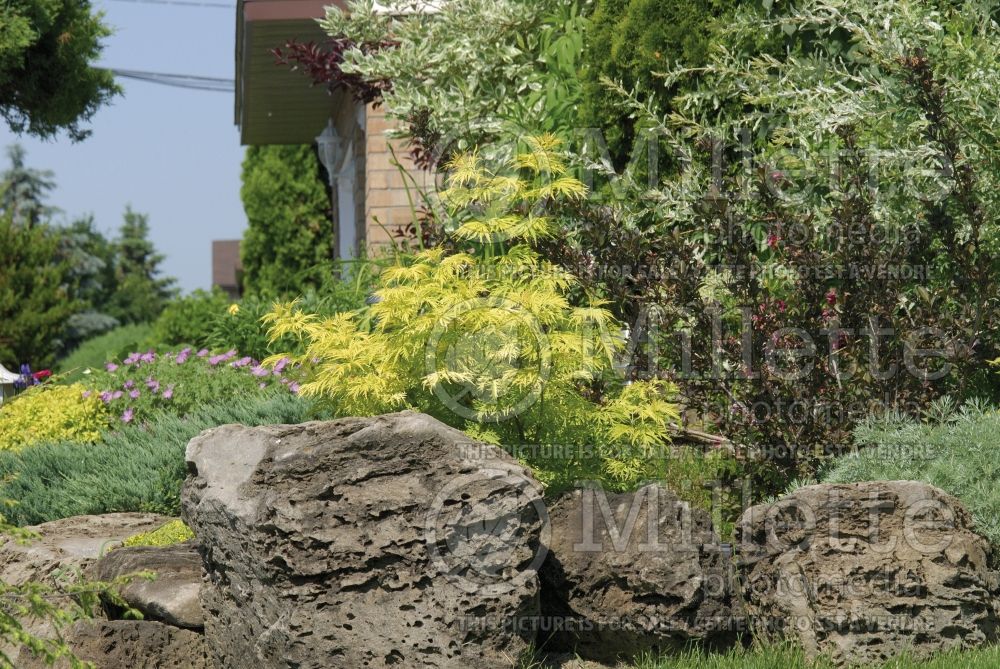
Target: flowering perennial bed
(178,382)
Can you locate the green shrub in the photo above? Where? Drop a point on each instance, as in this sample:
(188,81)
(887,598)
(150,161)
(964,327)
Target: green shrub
(960,455)
(35,302)
(174,532)
(519,68)
(708,479)
(188,320)
(856,225)
(51,412)
(113,345)
(240,326)
(138,468)
(288,244)
(211,320)
(630,41)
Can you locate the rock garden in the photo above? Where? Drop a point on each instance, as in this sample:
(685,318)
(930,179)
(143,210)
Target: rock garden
(685,354)
(397,541)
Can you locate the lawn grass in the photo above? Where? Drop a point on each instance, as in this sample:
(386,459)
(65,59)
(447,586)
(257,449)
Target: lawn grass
(137,468)
(787,657)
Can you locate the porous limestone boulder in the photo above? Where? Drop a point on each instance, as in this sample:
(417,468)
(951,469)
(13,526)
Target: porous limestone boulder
(633,573)
(68,546)
(865,571)
(61,554)
(173,594)
(393,541)
(117,644)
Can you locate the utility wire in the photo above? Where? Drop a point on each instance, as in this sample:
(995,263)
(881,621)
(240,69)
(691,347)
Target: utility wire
(181,3)
(189,81)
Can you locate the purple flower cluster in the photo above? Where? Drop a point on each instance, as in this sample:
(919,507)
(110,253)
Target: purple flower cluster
(133,362)
(222,357)
(258,370)
(133,392)
(137,358)
(26,379)
(243,362)
(160,392)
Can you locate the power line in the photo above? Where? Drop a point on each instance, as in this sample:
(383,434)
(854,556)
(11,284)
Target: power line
(181,3)
(189,81)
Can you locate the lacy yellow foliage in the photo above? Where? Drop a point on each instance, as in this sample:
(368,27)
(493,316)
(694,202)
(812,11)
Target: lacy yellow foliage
(490,337)
(51,413)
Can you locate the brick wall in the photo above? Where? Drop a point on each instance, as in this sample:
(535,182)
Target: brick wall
(387,208)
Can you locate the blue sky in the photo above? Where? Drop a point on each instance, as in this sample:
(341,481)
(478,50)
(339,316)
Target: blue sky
(172,153)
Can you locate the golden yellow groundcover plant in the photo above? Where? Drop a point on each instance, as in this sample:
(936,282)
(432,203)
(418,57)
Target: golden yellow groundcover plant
(52,413)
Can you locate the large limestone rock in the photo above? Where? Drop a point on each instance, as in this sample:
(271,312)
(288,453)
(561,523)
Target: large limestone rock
(173,596)
(374,542)
(61,554)
(632,573)
(121,644)
(66,547)
(865,571)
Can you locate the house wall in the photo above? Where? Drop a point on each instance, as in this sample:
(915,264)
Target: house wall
(381,192)
(387,205)
(226,266)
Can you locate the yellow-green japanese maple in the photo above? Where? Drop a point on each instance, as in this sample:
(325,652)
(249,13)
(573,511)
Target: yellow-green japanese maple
(488,339)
